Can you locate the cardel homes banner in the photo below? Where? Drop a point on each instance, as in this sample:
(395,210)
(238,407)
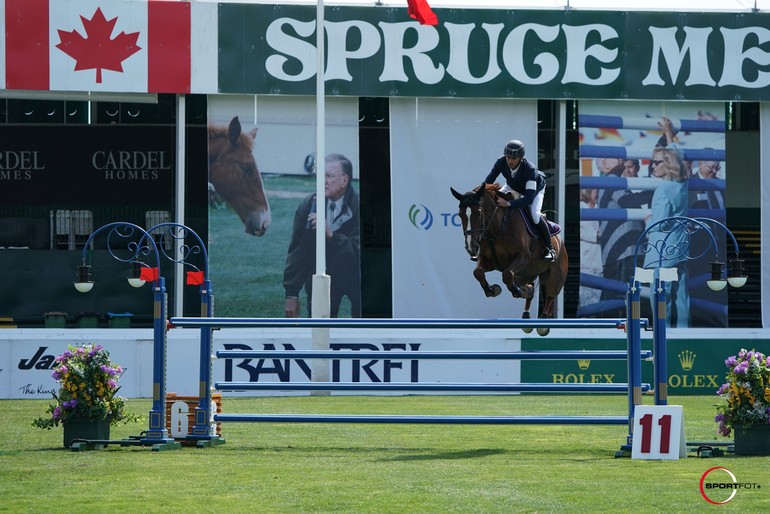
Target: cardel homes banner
(205,47)
(86,164)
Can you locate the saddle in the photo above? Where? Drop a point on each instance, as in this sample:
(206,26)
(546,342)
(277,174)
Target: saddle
(553,227)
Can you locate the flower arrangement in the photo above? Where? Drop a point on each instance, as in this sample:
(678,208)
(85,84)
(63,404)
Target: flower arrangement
(89,383)
(746,392)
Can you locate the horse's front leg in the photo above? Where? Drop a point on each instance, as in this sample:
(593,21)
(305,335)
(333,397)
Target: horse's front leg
(510,282)
(480,274)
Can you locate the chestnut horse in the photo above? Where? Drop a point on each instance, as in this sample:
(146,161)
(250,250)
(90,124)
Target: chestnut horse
(233,174)
(497,239)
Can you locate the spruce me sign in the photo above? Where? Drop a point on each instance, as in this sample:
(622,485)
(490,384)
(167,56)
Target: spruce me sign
(493,53)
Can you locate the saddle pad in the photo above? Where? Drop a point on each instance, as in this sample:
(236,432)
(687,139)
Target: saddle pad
(553,228)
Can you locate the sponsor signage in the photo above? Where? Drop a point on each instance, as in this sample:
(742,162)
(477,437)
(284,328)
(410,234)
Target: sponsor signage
(26,363)
(695,366)
(87,165)
(270,49)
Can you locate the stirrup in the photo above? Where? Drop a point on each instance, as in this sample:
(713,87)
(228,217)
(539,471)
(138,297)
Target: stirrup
(549,255)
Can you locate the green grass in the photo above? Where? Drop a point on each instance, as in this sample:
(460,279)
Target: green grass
(247,271)
(372,468)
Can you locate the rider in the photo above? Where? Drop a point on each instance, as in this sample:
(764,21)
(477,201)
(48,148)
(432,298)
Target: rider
(521,176)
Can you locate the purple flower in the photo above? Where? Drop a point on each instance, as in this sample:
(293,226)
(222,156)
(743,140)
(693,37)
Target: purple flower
(56,374)
(111,383)
(730,362)
(723,389)
(70,404)
(741,368)
(56,414)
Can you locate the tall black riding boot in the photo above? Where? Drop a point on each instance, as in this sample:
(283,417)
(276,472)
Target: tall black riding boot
(542,228)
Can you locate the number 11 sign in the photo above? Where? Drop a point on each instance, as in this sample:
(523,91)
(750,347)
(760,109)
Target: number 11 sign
(658,432)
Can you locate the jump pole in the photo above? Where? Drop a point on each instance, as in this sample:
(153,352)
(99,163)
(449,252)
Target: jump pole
(633,355)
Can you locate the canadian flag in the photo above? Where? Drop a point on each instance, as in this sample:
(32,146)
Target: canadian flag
(98,45)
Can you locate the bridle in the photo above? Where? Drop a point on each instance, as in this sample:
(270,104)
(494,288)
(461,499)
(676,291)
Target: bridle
(486,230)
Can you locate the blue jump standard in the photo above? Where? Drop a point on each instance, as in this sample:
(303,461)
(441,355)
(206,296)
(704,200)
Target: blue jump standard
(423,420)
(400,323)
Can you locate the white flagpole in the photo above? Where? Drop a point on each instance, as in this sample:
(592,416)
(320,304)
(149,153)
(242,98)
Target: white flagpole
(321,281)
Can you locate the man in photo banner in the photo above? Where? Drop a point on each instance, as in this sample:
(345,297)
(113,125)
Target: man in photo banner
(343,244)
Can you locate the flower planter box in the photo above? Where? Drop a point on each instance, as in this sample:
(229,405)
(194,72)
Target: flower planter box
(77,428)
(752,440)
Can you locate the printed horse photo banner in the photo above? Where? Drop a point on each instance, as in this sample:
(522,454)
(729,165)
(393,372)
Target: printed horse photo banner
(249,270)
(618,185)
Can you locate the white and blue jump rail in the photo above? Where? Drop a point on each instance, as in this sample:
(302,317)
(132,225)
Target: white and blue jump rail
(204,429)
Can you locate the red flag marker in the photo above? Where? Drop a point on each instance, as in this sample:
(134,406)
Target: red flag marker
(194,278)
(421,11)
(149,274)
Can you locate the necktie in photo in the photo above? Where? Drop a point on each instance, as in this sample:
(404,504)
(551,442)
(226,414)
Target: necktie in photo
(714,200)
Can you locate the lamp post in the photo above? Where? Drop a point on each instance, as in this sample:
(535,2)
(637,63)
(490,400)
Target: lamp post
(671,247)
(140,244)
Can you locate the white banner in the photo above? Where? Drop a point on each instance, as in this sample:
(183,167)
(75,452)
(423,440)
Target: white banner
(437,144)
(27,359)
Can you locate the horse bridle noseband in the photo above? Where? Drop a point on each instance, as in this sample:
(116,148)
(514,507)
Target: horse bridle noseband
(483,230)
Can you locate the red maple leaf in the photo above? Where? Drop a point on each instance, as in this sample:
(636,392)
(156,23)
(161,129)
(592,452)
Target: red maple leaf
(97,51)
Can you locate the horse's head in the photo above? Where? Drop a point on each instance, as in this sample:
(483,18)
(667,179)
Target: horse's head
(234,175)
(470,204)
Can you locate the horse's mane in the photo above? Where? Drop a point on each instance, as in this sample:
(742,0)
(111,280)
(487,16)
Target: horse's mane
(218,131)
(489,188)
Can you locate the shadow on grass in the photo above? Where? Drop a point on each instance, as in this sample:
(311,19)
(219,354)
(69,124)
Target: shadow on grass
(466,454)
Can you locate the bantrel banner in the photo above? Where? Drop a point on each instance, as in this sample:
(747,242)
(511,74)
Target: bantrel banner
(270,49)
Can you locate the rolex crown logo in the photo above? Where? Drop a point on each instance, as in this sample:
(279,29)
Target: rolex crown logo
(687,359)
(583,363)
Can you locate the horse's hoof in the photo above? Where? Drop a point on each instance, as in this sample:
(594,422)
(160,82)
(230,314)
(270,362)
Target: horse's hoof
(543,331)
(496,290)
(525,315)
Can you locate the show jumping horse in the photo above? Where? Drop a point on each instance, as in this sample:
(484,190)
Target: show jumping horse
(234,176)
(497,238)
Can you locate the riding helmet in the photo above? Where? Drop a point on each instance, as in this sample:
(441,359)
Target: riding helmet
(514,148)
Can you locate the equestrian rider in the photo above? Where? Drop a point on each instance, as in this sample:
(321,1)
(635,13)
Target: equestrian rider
(521,176)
